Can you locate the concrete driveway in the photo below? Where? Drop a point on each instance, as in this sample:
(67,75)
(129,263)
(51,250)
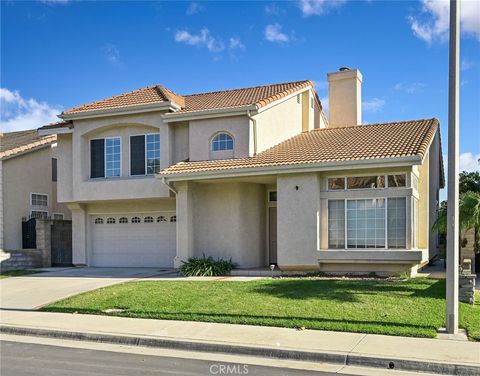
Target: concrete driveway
(36,290)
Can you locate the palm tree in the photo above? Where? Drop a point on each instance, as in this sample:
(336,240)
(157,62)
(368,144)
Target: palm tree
(469,210)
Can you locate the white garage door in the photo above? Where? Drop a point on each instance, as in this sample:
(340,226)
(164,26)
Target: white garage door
(133,240)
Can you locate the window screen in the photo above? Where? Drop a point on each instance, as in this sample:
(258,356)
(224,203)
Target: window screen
(97,158)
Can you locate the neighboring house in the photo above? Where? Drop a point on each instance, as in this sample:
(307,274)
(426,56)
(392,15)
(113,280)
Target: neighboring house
(258,175)
(28,174)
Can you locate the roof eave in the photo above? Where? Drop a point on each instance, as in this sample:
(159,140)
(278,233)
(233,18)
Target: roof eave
(120,111)
(52,131)
(205,114)
(23,152)
(295,168)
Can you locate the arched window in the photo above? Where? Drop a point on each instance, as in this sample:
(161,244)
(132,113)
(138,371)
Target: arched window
(136,220)
(123,220)
(148,220)
(110,220)
(222,141)
(98,221)
(173,218)
(161,219)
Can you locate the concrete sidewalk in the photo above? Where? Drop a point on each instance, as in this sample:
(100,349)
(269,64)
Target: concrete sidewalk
(402,353)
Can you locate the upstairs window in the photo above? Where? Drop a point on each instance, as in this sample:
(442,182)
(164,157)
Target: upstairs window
(38,199)
(222,141)
(145,154)
(54,169)
(105,157)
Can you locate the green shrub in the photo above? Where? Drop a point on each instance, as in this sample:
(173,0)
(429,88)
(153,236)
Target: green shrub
(206,266)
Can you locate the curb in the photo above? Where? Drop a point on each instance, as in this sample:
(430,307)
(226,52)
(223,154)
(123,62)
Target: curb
(211,347)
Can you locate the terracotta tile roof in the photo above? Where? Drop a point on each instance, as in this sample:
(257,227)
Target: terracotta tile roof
(12,143)
(147,95)
(258,96)
(374,141)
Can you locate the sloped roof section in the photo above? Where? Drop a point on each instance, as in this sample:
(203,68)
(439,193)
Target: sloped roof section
(13,143)
(354,143)
(148,95)
(258,96)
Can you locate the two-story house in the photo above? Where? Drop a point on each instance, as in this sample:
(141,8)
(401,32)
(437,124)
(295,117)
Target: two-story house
(258,175)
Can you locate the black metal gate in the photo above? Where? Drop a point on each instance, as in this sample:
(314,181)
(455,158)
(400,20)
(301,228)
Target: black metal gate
(61,242)
(29,233)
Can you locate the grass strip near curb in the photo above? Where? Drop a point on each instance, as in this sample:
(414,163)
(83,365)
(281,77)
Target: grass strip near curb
(413,307)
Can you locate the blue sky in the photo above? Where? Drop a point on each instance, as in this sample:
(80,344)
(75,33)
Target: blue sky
(59,54)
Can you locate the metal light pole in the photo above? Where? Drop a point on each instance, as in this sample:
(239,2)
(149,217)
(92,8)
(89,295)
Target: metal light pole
(453,183)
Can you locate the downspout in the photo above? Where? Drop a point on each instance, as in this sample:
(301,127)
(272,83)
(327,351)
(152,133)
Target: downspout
(254,122)
(170,187)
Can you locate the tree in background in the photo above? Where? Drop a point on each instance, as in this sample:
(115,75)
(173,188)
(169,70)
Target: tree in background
(469,209)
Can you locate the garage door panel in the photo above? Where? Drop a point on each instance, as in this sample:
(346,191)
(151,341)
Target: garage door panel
(133,244)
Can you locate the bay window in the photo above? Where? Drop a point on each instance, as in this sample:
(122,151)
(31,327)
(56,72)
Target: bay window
(374,223)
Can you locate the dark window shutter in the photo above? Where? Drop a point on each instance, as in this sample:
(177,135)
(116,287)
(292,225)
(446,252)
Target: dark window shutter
(97,158)
(137,155)
(54,169)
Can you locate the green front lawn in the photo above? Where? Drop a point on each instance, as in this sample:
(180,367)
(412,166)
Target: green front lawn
(414,307)
(16,273)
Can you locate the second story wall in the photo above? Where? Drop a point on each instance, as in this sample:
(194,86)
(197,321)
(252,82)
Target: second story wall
(127,185)
(284,120)
(202,132)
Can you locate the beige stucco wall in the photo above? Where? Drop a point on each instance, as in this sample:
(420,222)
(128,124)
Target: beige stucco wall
(22,175)
(86,189)
(433,193)
(64,168)
(345,98)
(201,133)
(229,222)
(280,122)
(423,204)
(298,213)
(181,141)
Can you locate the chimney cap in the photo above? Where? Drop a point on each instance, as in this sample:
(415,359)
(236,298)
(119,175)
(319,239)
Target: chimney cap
(344,69)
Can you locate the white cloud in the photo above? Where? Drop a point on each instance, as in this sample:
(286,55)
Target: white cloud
(433,21)
(18,113)
(273,33)
(112,54)
(410,88)
(194,8)
(466,64)
(469,162)
(318,7)
(202,39)
(236,44)
(373,105)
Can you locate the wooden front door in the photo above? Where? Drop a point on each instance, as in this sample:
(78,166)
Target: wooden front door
(272,234)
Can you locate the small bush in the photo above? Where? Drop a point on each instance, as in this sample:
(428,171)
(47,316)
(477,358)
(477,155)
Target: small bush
(206,267)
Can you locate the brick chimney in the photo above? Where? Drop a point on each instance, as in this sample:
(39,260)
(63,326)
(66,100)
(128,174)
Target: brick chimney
(345,97)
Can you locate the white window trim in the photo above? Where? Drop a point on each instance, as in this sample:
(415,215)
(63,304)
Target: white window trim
(54,214)
(386,223)
(218,134)
(39,206)
(104,158)
(145,143)
(41,211)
